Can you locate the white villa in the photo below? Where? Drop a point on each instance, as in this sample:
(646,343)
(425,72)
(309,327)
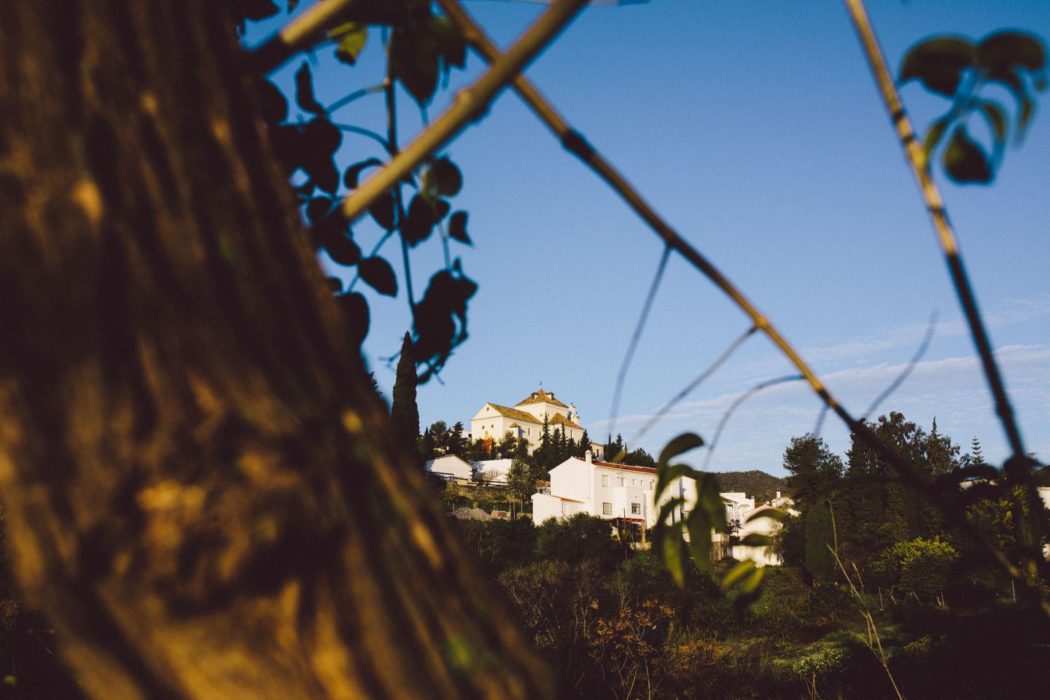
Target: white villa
(525,419)
(610,490)
(600,488)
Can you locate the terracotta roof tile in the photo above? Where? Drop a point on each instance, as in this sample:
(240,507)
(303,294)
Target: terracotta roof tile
(541,396)
(559,419)
(515,414)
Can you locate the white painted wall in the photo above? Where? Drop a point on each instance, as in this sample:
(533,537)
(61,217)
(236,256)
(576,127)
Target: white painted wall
(450,466)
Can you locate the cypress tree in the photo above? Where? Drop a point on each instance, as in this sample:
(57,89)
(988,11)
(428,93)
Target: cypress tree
(404,414)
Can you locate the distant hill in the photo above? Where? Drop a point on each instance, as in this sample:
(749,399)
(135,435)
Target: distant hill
(753,483)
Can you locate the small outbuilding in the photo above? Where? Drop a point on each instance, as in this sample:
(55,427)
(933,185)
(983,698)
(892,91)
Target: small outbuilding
(450,468)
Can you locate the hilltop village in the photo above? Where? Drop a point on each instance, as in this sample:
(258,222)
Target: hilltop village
(538,454)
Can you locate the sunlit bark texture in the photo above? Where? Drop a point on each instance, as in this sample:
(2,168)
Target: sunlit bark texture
(200,490)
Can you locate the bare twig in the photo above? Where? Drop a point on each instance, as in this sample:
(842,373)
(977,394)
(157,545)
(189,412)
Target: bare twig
(697,381)
(736,404)
(647,307)
(468,104)
(895,384)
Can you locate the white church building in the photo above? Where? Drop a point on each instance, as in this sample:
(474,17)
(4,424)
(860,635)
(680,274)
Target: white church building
(525,419)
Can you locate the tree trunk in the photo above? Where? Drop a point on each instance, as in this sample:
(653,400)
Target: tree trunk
(201,492)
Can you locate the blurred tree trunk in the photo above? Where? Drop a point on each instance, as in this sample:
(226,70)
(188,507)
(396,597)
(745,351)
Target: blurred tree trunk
(201,490)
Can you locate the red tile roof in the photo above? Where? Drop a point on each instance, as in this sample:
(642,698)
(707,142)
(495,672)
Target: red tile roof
(626,467)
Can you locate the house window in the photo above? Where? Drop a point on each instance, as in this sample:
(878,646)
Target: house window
(606,508)
(636,508)
(634,482)
(652,484)
(605,479)
(621,481)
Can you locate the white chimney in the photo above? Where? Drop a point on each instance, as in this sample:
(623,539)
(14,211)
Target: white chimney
(588,457)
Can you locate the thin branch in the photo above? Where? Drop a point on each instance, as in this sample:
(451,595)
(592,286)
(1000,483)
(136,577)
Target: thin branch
(378,138)
(468,104)
(390,93)
(647,307)
(353,97)
(895,384)
(939,217)
(691,386)
(820,420)
(298,34)
(736,404)
(575,143)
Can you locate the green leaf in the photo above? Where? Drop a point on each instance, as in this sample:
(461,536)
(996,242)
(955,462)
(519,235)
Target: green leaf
(753,581)
(938,63)
(735,574)
(775,514)
(304,91)
(667,540)
(680,444)
(1003,51)
(964,160)
(698,525)
(756,540)
(665,475)
(442,179)
(457,227)
(379,275)
(350,38)
(709,500)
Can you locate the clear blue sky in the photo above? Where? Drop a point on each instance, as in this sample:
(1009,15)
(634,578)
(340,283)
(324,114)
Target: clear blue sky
(756,129)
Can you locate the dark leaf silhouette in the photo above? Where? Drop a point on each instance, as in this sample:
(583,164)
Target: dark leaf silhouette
(419,223)
(442,179)
(964,160)
(353,173)
(304,91)
(354,308)
(342,249)
(1005,51)
(379,275)
(457,227)
(272,103)
(384,210)
(938,63)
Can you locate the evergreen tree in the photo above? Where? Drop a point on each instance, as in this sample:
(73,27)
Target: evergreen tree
(584,444)
(812,468)
(976,454)
(820,540)
(457,441)
(404,413)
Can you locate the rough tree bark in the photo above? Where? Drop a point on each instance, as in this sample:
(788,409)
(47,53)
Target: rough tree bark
(200,490)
